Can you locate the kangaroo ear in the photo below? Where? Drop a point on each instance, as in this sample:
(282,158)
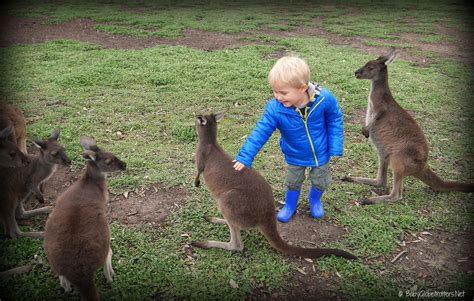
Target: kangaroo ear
(6,132)
(390,56)
(202,120)
(219,116)
(88,143)
(56,133)
(89,155)
(39,144)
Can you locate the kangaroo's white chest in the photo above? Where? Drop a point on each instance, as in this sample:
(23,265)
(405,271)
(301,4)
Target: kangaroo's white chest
(369,114)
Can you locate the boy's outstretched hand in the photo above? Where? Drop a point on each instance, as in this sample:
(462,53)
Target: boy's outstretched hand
(238,166)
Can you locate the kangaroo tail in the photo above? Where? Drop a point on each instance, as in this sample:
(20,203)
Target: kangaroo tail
(87,289)
(274,238)
(430,178)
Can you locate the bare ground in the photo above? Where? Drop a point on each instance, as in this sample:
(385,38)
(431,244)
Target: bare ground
(434,259)
(35,30)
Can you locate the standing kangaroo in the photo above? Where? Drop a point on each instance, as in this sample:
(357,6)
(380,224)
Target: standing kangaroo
(12,116)
(18,183)
(244,198)
(77,234)
(10,154)
(397,137)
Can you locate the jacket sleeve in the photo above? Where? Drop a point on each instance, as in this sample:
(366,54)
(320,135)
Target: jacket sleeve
(259,136)
(335,127)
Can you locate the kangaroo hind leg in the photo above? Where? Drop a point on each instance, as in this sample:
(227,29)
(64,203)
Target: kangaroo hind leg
(395,194)
(65,284)
(380,180)
(216,220)
(108,270)
(235,243)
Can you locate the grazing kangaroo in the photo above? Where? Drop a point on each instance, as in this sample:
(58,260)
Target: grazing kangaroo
(12,116)
(77,234)
(18,183)
(10,154)
(397,137)
(244,198)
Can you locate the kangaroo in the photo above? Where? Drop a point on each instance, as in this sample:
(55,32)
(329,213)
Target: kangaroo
(244,198)
(42,168)
(10,154)
(397,137)
(18,183)
(12,116)
(77,235)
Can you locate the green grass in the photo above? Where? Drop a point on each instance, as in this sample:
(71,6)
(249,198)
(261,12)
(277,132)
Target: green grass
(140,104)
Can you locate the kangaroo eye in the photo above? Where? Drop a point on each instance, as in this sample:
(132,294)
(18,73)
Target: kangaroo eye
(371,68)
(12,154)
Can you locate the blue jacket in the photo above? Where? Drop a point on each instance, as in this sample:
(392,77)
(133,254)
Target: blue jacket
(309,141)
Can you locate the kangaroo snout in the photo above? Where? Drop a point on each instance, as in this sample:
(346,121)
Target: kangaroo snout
(66,161)
(358,73)
(122,165)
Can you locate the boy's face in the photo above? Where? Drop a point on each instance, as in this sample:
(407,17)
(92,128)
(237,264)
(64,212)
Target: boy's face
(289,95)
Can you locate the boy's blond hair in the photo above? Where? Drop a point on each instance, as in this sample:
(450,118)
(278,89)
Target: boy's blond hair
(290,70)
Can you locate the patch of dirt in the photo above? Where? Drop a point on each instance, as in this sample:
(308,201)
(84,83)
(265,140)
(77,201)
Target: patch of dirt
(435,258)
(356,117)
(460,50)
(148,206)
(307,283)
(35,30)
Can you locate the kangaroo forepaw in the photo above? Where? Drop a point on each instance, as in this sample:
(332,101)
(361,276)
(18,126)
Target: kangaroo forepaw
(40,199)
(365,132)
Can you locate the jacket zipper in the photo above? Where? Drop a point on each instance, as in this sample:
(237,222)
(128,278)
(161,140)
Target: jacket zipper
(305,122)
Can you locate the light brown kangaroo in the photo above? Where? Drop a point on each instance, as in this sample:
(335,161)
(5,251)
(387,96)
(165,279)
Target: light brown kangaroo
(12,116)
(397,137)
(18,183)
(244,198)
(77,234)
(10,154)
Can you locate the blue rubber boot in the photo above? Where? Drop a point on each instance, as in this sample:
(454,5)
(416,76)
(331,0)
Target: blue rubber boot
(315,204)
(285,214)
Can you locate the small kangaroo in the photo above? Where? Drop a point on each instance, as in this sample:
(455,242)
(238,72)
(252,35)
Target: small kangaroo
(12,116)
(244,198)
(18,183)
(10,154)
(77,234)
(41,169)
(397,137)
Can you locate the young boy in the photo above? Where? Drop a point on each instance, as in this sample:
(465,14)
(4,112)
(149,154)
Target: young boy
(311,126)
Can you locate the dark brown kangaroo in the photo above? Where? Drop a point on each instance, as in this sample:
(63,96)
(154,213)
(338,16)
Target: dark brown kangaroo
(397,137)
(77,234)
(10,154)
(244,198)
(18,183)
(12,116)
